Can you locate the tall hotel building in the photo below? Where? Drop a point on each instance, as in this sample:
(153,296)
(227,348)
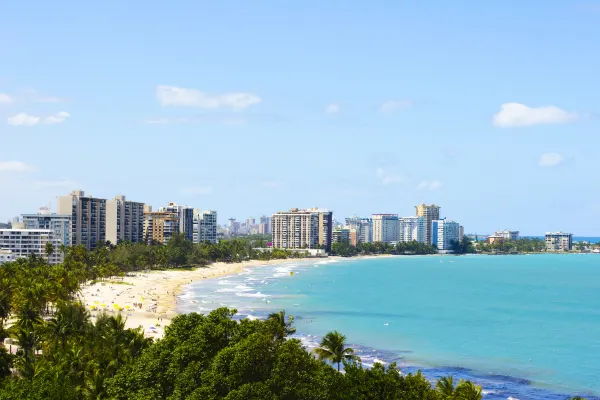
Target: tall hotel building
(60,224)
(444,232)
(412,229)
(159,226)
(88,218)
(431,213)
(124,220)
(385,228)
(205,226)
(297,229)
(186,218)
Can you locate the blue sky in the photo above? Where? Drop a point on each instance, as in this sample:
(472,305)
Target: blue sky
(489,109)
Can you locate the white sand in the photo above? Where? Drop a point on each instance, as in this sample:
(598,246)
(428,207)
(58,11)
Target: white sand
(157,291)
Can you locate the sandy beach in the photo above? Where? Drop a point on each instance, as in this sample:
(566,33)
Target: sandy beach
(149,299)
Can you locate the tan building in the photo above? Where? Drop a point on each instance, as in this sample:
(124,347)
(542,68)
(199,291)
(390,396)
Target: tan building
(341,235)
(431,213)
(124,220)
(559,241)
(88,218)
(297,229)
(494,239)
(160,226)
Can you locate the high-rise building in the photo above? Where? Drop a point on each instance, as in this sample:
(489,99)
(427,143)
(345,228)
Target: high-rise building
(88,218)
(27,242)
(558,241)
(412,229)
(325,226)
(160,226)
(385,228)
(340,235)
(461,232)
(205,226)
(124,220)
(443,233)
(431,213)
(250,221)
(362,226)
(60,224)
(264,226)
(296,229)
(507,235)
(186,218)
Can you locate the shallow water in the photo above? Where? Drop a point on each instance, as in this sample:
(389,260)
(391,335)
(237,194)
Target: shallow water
(521,326)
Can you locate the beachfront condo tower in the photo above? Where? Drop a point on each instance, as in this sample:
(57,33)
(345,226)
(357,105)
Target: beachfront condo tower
(386,228)
(186,218)
(88,218)
(298,228)
(443,233)
(205,226)
(159,226)
(431,213)
(60,224)
(412,229)
(124,220)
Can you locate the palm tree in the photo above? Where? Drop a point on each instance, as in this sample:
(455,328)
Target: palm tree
(284,328)
(445,386)
(333,348)
(49,249)
(467,390)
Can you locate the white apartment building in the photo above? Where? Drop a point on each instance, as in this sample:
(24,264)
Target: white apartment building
(26,242)
(412,229)
(385,228)
(88,218)
(507,235)
(6,255)
(443,233)
(555,241)
(205,226)
(124,220)
(60,224)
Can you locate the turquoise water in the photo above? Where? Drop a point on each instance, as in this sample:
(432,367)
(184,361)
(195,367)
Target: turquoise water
(522,326)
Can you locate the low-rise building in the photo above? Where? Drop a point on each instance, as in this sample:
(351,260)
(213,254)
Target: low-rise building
(6,255)
(27,242)
(492,239)
(341,235)
(559,241)
(507,235)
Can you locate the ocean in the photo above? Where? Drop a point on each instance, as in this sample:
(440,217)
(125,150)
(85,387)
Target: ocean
(522,326)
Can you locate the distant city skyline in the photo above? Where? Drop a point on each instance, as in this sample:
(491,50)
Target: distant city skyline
(485,108)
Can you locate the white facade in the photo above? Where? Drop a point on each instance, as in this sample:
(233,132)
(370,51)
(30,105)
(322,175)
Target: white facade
(385,228)
(443,233)
(124,220)
(27,242)
(205,227)
(412,229)
(6,256)
(507,235)
(60,224)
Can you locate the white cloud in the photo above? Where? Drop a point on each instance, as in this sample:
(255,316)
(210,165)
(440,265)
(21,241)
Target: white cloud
(393,105)
(516,114)
(58,118)
(332,108)
(15,166)
(34,97)
(195,120)
(23,119)
(550,160)
(387,178)
(175,96)
(430,185)
(193,190)
(5,99)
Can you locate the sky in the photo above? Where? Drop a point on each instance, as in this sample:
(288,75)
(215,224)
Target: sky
(489,109)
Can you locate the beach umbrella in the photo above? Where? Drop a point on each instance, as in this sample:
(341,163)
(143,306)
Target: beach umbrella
(103,305)
(128,307)
(96,302)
